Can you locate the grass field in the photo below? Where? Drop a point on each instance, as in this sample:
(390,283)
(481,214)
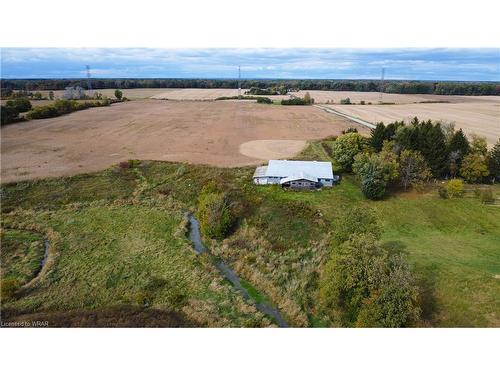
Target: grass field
(116,261)
(123,252)
(22,254)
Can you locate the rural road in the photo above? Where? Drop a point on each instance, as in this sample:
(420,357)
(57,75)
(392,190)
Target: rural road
(352,118)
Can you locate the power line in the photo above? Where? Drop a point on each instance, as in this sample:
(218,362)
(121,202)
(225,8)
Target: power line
(89,85)
(239,82)
(382,84)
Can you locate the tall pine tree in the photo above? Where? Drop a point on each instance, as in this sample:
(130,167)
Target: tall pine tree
(494,160)
(378,137)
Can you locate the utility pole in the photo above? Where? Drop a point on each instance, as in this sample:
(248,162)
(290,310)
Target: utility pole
(89,85)
(382,84)
(239,82)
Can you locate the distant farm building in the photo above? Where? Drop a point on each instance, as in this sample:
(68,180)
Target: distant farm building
(295,174)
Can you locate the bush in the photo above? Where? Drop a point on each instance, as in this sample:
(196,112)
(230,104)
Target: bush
(20,104)
(132,163)
(214,214)
(455,188)
(9,115)
(294,101)
(364,285)
(9,288)
(264,100)
(442,192)
(474,167)
(118,94)
(373,187)
(354,221)
(350,130)
(62,107)
(345,101)
(345,148)
(413,169)
(494,161)
(375,171)
(486,196)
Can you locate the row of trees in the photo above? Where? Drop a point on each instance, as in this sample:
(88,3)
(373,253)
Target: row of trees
(62,107)
(275,90)
(12,108)
(409,155)
(403,87)
(363,284)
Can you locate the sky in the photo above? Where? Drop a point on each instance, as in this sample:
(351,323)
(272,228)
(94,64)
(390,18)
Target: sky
(318,63)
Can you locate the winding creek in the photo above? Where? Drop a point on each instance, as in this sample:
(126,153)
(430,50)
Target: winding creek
(229,274)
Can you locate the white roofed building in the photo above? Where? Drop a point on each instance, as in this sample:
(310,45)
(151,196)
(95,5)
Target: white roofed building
(295,173)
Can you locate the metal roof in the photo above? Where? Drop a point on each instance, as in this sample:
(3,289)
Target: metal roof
(260,171)
(298,176)
(288,168)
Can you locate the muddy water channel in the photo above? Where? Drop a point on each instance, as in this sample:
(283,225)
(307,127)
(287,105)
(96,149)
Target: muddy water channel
(229,274)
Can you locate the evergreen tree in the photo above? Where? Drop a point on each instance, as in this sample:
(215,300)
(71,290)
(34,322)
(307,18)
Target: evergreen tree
(494,160)
(459,143)
(431,143)
(378,136)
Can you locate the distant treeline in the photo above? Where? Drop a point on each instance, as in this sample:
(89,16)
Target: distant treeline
(400,87)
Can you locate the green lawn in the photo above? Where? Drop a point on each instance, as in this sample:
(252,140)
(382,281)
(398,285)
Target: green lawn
(122,244)
(22,254)
(127,256)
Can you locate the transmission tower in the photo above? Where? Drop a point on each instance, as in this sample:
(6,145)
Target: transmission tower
(239,82)
(89,85)
(382,84)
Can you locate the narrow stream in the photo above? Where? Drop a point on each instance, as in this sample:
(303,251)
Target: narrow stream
(44,259)
(228,273)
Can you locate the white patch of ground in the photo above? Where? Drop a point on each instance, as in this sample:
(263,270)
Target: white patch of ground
(272,148)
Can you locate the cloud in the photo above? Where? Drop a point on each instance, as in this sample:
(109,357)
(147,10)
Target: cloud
(431,64)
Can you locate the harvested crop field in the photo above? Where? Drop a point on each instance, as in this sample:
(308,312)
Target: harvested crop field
(197,132)
(322,97)
(481,117)
(204,94)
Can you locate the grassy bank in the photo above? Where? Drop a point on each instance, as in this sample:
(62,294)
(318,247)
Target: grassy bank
(123,245)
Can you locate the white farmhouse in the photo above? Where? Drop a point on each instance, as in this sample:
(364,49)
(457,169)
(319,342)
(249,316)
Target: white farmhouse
(295,174)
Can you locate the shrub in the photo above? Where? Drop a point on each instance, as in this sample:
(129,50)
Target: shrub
(494,160)
(455,188)
(118,94)
(264,100)
(364,285)
(486,196)
(442,192)
(62,107)
(375,171)
(478,145)
(294,101)
(132,163)
(9,115)
(373,187)
(354,221)
(214,214)
(413,169)
(345,148)
(9,287)
(474,167)
(362,102)
(350,130)
(20,104)
(345,101)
